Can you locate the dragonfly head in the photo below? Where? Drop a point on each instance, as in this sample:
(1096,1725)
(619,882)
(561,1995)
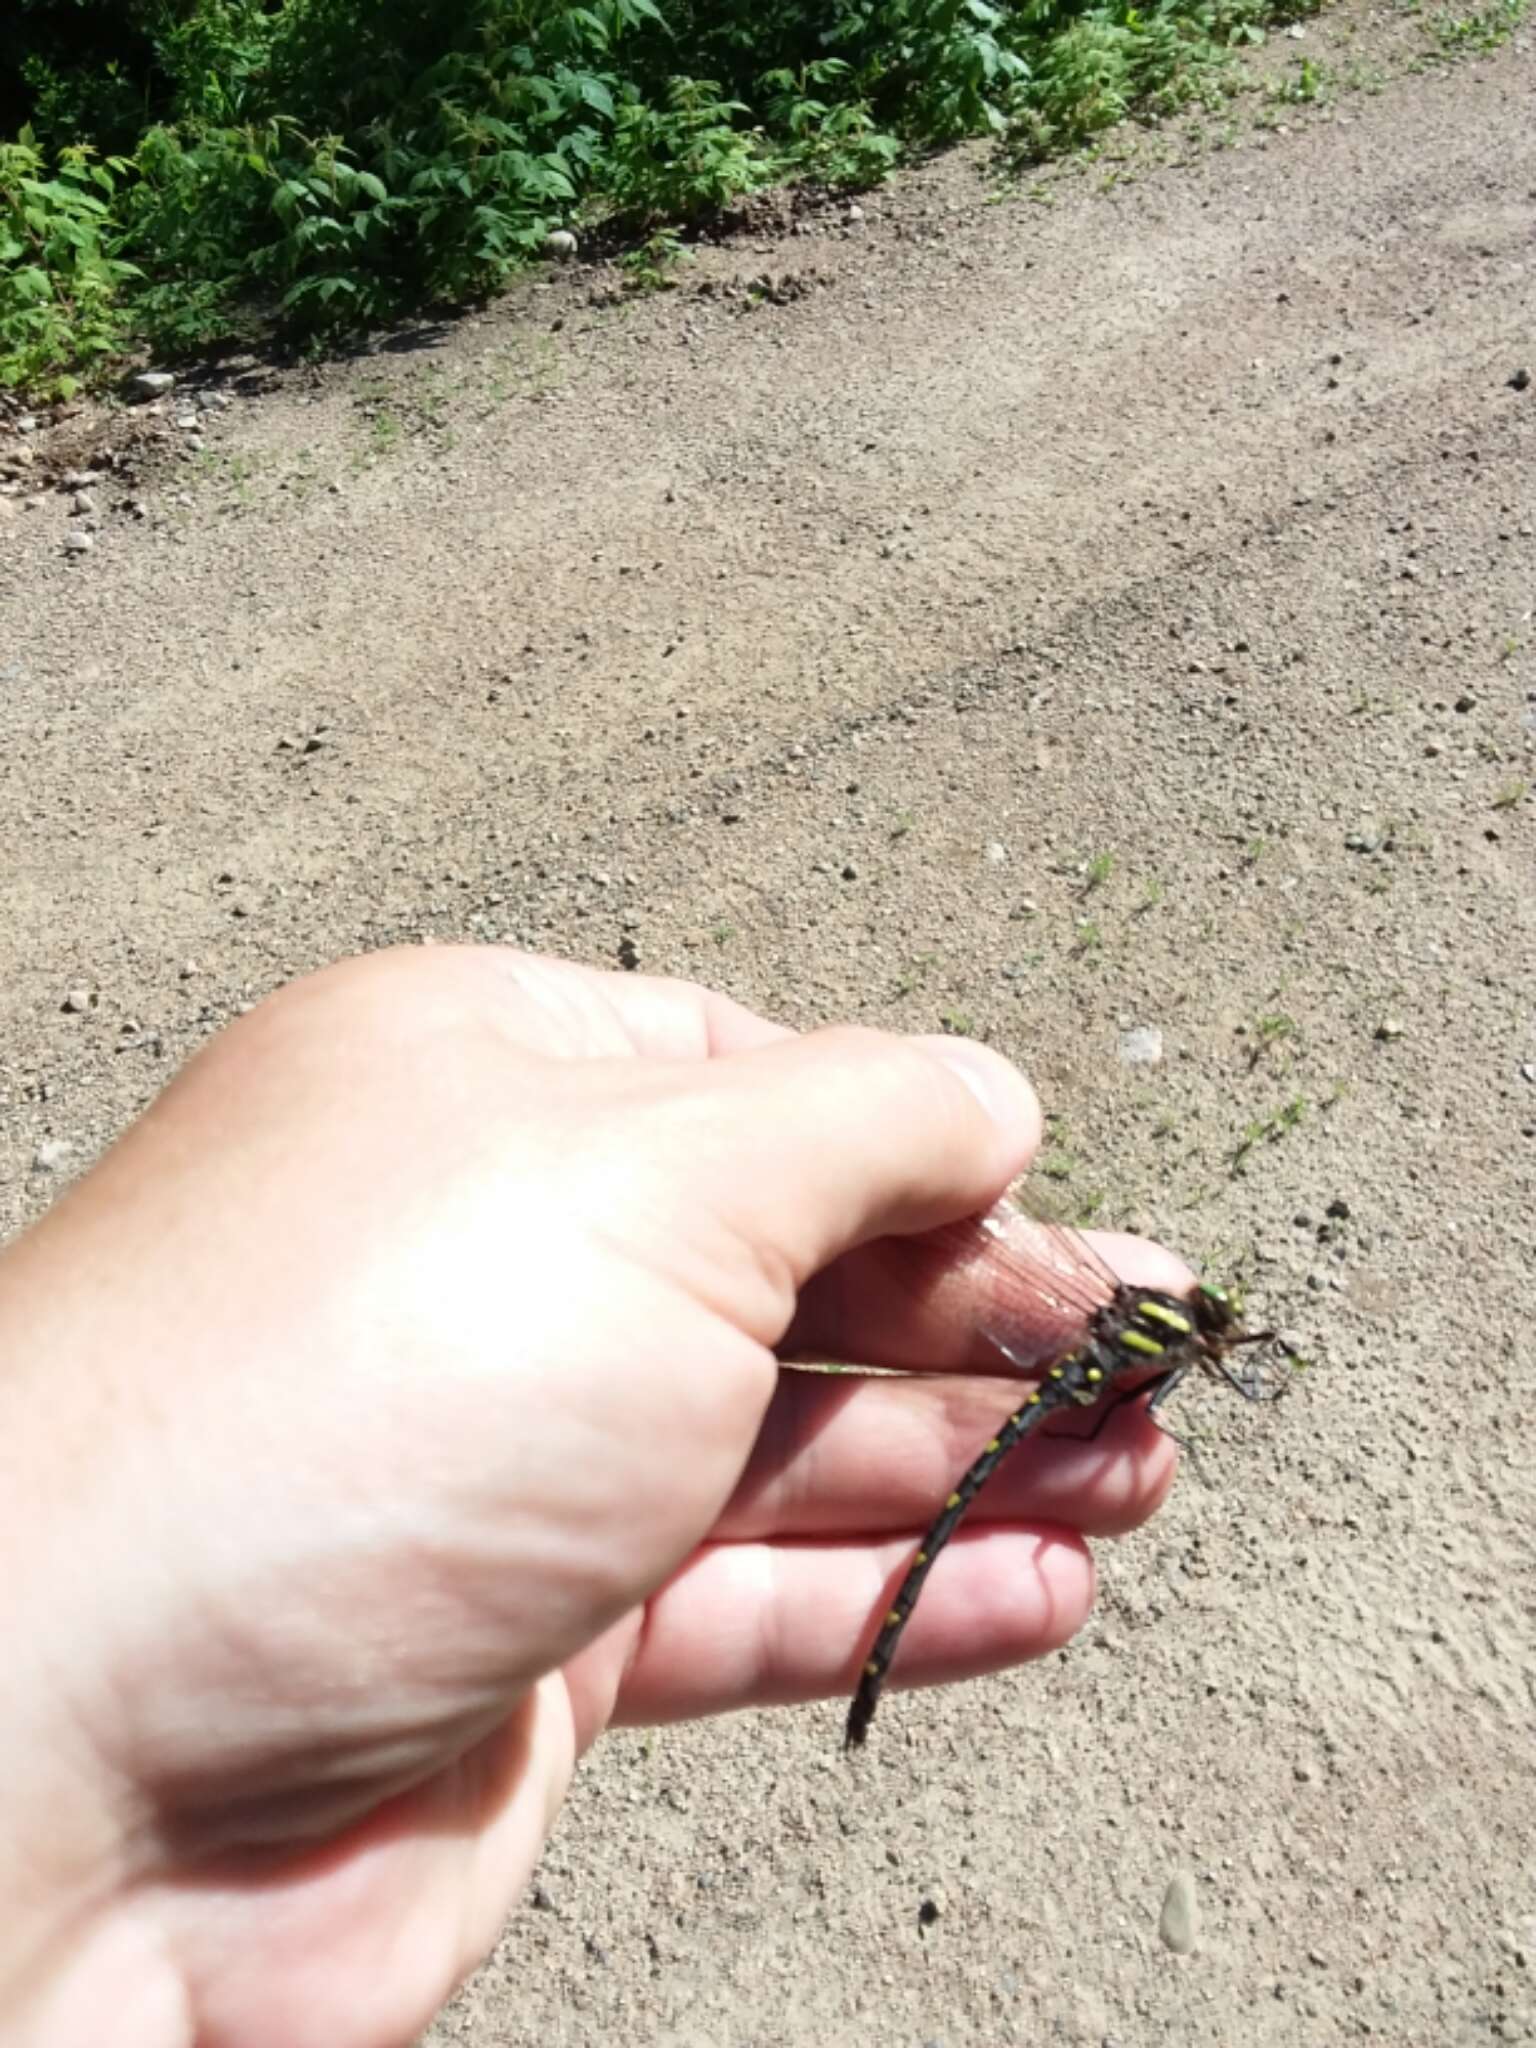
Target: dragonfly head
(1217,1309)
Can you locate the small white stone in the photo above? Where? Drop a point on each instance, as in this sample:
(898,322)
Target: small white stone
(561,244)
(151,384)
(1179,1922)
(1142,1046)
(77,541)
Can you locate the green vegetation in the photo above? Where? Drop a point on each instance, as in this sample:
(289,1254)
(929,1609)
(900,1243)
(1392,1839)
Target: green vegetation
(1268,1130)
(1097,872)
(1484,29)
(181,172)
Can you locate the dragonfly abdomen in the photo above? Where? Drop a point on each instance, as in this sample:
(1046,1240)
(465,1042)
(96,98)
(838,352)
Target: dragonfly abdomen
(1057,1390)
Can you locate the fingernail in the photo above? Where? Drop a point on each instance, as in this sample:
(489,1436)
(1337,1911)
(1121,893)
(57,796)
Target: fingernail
(995,1082)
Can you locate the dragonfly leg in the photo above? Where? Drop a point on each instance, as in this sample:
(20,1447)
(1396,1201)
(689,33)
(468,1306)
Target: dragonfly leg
(1248,1386)
(1160,1392)
(1160,1388)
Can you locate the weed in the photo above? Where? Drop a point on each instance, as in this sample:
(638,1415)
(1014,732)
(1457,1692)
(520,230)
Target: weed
(1307,85)
(1098,872)
(1477,33)
(1511,794)
(1268,1130)
(385,431)
(1270,1032)
(957,1024)
(649,267)
(915,973)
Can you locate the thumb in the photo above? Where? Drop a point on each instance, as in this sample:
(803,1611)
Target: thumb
(819,1143)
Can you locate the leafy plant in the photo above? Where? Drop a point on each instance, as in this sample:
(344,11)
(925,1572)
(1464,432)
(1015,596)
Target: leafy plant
(684,160)
(650,265)
(60,278)
(1484,29)
(203,168)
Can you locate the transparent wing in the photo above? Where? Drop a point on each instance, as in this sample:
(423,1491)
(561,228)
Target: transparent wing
(1033,1281)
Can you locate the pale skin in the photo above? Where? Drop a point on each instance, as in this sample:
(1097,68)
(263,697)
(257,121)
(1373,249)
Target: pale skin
(400,1404)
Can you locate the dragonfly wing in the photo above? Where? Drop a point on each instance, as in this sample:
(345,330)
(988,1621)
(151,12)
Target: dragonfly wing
(1034,1284)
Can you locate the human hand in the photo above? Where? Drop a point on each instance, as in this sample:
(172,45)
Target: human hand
(399,1403)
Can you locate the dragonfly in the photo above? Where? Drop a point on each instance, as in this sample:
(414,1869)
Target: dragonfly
(1040,1281)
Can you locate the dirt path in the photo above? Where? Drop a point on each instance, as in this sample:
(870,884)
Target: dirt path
(1045,620)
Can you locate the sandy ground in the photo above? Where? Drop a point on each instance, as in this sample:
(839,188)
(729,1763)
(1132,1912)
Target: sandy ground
(1040,619)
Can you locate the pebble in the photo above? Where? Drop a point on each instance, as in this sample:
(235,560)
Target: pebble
(151,384)
(83,504)
(1528,1071)
(77,541)
(996,852)
(81,479)
(1390,1028)
(1142,1046)
(52,1154)
(1521,380)
(78,1001)
(561,244)
(1178,1924)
